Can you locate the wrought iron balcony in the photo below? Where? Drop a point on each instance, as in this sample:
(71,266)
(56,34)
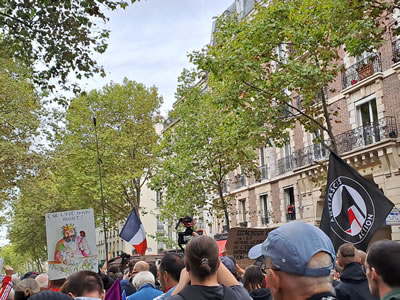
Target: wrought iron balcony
(285,164)
(367,134)
(263,172)
(241,181)
(396,50)
(362,69)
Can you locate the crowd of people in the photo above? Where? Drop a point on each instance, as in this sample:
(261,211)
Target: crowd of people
(298,261)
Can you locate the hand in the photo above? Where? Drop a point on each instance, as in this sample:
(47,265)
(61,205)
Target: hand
(195,233)
(9,270)
(184,279)
(239,271)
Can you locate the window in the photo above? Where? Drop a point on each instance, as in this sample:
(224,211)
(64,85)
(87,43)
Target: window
(290,203)
(368,120)
(368,112)
(263,167)
(319,151)
(287,153)
(242,204)
(262,156)
(160,225)
(159,198)
(264,209)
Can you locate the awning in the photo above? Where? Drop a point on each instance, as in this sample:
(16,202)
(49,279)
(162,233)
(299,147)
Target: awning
(221,246)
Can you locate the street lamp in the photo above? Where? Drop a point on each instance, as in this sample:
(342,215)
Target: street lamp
(101,187)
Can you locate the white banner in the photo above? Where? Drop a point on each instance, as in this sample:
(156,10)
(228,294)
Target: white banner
(71,242)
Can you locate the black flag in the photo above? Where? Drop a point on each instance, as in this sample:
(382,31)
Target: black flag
(354,207)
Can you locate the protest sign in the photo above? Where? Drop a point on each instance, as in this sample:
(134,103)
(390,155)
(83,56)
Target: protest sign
(71,242)
(240,240)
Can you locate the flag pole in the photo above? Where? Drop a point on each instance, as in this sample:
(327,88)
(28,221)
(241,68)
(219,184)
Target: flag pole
(101,186)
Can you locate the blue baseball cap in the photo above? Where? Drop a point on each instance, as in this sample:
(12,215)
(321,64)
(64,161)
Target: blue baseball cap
(291,246)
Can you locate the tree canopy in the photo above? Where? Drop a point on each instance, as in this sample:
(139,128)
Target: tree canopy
(58,37)
(287,49)
(126,116)
(198,152)
(19,120)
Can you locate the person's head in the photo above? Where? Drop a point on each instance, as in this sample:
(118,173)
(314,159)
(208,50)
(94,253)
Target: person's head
(26,288)
(140,266)
(347,254)
(383,267)
(84,284)
(361,256)
(142,278)
(69,232)
(201,257)
(107,281)
(169,270)
(50,295)
(43,281)
(153,270)
(254,278)
(299,259)
(56,284)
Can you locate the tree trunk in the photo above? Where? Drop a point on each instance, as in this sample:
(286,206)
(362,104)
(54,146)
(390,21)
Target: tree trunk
(334,147)
(224,206)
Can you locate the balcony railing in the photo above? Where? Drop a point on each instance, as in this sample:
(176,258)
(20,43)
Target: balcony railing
(241,181)
(396,51)
(362,69)
(285,164)
(364,135)
(263,172)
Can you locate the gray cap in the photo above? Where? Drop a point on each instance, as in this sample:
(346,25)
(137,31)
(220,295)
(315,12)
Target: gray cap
(291,246)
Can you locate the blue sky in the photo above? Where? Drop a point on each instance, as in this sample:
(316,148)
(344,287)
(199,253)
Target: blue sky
(150,40)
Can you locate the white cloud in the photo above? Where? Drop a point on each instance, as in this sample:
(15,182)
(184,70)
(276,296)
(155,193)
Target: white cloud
(150,41)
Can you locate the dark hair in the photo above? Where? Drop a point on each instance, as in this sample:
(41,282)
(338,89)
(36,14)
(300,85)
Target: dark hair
(107,281)
(201,255)
(384,256)
(347,253)
(153,270)
(172,264)
(57,283)
(83,282)
(254,278)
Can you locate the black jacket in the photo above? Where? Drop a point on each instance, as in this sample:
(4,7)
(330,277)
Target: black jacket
(353,284)
(261,294)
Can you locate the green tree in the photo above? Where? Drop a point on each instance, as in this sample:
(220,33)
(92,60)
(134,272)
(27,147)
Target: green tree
(286,49)
(58,36)
(126,115)
(38,195)
(199,151)
(19,121)
(13,258)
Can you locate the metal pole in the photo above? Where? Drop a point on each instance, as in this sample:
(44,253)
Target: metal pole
(101,187)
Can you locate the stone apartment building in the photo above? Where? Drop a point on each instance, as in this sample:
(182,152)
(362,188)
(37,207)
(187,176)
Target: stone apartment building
(367,94)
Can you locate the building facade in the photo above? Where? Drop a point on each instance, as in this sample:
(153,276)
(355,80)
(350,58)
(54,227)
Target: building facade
(367,98)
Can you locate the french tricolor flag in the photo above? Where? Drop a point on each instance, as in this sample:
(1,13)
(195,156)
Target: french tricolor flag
(133,233)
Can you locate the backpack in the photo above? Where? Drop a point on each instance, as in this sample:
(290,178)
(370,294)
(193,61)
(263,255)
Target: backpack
(188,294)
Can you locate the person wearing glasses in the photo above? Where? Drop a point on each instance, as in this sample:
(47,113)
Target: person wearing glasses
(299,259)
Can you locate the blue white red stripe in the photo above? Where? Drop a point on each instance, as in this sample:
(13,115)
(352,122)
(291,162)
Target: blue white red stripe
(133,232)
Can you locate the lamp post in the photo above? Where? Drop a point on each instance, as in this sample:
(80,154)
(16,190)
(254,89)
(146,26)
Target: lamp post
(101,187)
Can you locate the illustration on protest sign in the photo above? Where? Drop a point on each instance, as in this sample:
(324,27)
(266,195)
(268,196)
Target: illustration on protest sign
(240,240)
(71,242)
